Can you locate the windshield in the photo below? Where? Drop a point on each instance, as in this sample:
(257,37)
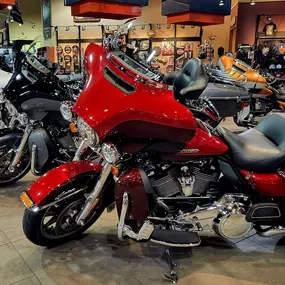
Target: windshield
(33,47)
(135,54)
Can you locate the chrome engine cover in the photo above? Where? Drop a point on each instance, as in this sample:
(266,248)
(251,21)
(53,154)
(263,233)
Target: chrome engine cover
(230,222)
(226,217)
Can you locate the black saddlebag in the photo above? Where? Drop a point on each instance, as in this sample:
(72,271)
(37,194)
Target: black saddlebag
(228,99)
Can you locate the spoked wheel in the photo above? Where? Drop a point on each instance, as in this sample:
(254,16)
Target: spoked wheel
(57,224)
(7,176)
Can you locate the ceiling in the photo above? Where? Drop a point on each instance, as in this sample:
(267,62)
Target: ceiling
(247,1)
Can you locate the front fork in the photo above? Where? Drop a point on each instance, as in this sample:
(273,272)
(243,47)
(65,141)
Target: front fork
(93,198)
(20,150)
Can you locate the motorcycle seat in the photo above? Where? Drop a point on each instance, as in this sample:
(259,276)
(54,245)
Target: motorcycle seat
(261,149)
(191,81)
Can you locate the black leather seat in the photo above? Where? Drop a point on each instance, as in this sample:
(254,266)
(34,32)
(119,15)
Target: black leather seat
(261,149)
(191,81)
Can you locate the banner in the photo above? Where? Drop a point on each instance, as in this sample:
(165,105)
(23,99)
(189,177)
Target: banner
(46,14)
(132,2)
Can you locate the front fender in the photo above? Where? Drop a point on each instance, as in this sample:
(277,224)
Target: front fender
(54,179)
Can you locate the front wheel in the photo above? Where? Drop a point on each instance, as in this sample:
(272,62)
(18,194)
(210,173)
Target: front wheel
(57,224)
(8,177)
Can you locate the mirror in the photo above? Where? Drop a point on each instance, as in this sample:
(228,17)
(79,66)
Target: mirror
(15,15)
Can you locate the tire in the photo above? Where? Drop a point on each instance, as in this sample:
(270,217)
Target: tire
(32,227)
(9,179)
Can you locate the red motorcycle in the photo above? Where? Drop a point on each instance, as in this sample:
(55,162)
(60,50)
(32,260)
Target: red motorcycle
(171,175)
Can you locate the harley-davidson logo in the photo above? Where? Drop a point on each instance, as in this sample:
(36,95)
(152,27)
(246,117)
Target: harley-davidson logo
(189,151)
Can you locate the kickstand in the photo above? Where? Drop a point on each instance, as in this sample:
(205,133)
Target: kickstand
(173,274)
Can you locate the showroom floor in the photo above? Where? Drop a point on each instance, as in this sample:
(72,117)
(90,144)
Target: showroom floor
(99,258)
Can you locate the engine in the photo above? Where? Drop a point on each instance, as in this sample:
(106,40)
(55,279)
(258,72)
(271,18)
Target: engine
(183,179)
(227,217)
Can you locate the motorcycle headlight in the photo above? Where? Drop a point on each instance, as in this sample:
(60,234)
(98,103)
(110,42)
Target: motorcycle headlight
(87,133)
(66,110)
(110,153)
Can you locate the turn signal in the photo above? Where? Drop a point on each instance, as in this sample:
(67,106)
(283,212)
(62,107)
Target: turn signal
(115,170)
(72,128)
(26,200)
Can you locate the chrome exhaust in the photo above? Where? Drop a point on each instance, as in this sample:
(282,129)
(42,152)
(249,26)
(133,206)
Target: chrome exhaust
(272,231)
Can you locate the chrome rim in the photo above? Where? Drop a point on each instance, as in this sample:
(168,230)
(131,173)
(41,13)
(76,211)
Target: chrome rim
(59,221)
(6,156)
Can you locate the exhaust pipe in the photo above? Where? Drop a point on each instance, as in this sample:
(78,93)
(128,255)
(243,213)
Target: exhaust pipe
(272,231)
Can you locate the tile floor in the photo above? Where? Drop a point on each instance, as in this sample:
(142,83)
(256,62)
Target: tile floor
(100,258)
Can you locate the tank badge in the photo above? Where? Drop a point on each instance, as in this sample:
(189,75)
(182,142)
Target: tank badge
(189,151)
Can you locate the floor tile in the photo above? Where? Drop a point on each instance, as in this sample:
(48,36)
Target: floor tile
(12,266)
(11,225)
(28,281)
(3,238)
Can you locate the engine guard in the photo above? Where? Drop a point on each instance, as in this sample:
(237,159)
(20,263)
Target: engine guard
(47,184)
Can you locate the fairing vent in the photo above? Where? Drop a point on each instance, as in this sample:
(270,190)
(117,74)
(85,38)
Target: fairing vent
(118,82)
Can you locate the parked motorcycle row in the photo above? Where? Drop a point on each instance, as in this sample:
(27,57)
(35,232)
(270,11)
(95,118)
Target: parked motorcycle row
(154,150)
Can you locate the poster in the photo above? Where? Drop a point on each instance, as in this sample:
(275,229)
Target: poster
(46,11)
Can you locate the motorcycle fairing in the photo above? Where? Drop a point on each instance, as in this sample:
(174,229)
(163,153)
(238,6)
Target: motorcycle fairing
(54,179)
(103,105)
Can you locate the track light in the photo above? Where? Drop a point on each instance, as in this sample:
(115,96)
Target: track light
(252,2)
(222,3)
(143,27)
(269,18)
(10,7)
(67,29)
(83,28)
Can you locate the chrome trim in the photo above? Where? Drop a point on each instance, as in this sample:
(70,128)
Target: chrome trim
(21,148)
(125,206)
(175,244)
(56,201)
(33,160)
(272,231)
(77,155)
(94,194)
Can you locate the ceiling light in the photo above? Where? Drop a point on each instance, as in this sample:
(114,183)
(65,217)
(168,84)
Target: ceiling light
(252,2)
(222,3)
(10,7)
(269,18)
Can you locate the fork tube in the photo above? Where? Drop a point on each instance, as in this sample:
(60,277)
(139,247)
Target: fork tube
(21,148)
(92,200)
(79,150)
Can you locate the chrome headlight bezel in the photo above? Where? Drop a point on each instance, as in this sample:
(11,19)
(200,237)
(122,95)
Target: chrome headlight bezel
(87,133)
(110,153)
(66,110)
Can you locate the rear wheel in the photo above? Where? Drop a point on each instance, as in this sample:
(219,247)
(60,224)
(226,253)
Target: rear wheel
(57,224)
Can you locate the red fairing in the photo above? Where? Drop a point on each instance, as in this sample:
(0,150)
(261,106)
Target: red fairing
(131,182)
(50,181)
(204,144)
(268,184)
(104,106)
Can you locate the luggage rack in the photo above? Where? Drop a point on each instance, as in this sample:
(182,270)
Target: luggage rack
(224,77)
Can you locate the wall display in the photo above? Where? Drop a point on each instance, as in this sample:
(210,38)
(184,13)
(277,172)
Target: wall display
(184,52)
(46,14)
(269,29)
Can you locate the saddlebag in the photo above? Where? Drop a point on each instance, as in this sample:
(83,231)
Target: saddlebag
(228,99)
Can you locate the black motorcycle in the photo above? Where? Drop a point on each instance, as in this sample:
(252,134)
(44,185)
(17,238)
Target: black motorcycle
(34,135)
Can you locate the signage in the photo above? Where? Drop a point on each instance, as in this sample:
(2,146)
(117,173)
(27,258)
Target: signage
(78,19)
(131,2)
(46,14)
